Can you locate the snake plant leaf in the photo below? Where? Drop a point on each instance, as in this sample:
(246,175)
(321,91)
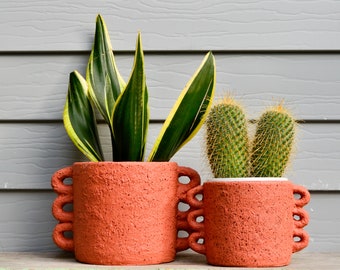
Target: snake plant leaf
(79,119)
(188,113)
(131,113)
(103,78)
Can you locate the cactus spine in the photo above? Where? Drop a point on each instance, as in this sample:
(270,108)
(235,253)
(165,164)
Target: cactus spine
(227,140)
(228,146)
(273,143)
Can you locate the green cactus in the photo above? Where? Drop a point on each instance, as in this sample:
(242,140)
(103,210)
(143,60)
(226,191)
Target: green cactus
(273,143)
(227,142)
(228,146)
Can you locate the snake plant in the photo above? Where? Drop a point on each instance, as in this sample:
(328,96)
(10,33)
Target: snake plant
(124,105)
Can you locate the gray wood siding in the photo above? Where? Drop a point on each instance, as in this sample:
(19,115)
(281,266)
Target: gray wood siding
(309,83)
(31,152)
(172,25)
(265,51)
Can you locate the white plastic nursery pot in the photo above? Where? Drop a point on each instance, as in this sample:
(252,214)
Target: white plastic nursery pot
(124,213)
(249,222)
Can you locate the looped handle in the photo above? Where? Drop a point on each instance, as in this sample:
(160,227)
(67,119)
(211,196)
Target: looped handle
(303,239)
(60,240)
(199,231)
(65,196)
(197,227)
(182,189)
(304,195)
(302,218)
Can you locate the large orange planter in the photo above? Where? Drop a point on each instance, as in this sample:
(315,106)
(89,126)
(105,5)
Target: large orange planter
(123,212)
(249,223)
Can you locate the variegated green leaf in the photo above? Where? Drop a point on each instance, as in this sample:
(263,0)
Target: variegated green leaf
(131,114)
(79,119)
(103,78)
(188,113)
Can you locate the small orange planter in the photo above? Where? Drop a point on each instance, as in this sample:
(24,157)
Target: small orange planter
(124,213)
(249,223)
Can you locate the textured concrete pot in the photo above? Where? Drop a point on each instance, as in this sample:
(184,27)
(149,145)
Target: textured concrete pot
(124,213)
(249,222)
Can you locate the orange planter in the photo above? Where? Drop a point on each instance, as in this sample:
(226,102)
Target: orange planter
(123,212)
(249,223)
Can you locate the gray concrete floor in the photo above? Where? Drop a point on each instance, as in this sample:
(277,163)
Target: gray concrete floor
(184,260)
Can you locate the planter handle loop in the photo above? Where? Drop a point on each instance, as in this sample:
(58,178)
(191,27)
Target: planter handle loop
(301,218)
(197,227)
(182,191)
(65,196)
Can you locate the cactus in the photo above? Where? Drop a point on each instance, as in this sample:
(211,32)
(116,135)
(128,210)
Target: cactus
(227,142)
(273,142)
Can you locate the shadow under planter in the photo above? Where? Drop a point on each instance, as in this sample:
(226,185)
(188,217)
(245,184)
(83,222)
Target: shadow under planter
(124,213)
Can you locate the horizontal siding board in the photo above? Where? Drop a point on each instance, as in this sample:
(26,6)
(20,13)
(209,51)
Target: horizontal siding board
(315,163)
(26,223)
(172,25)
(35,86)
(324,225)
(31,153)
